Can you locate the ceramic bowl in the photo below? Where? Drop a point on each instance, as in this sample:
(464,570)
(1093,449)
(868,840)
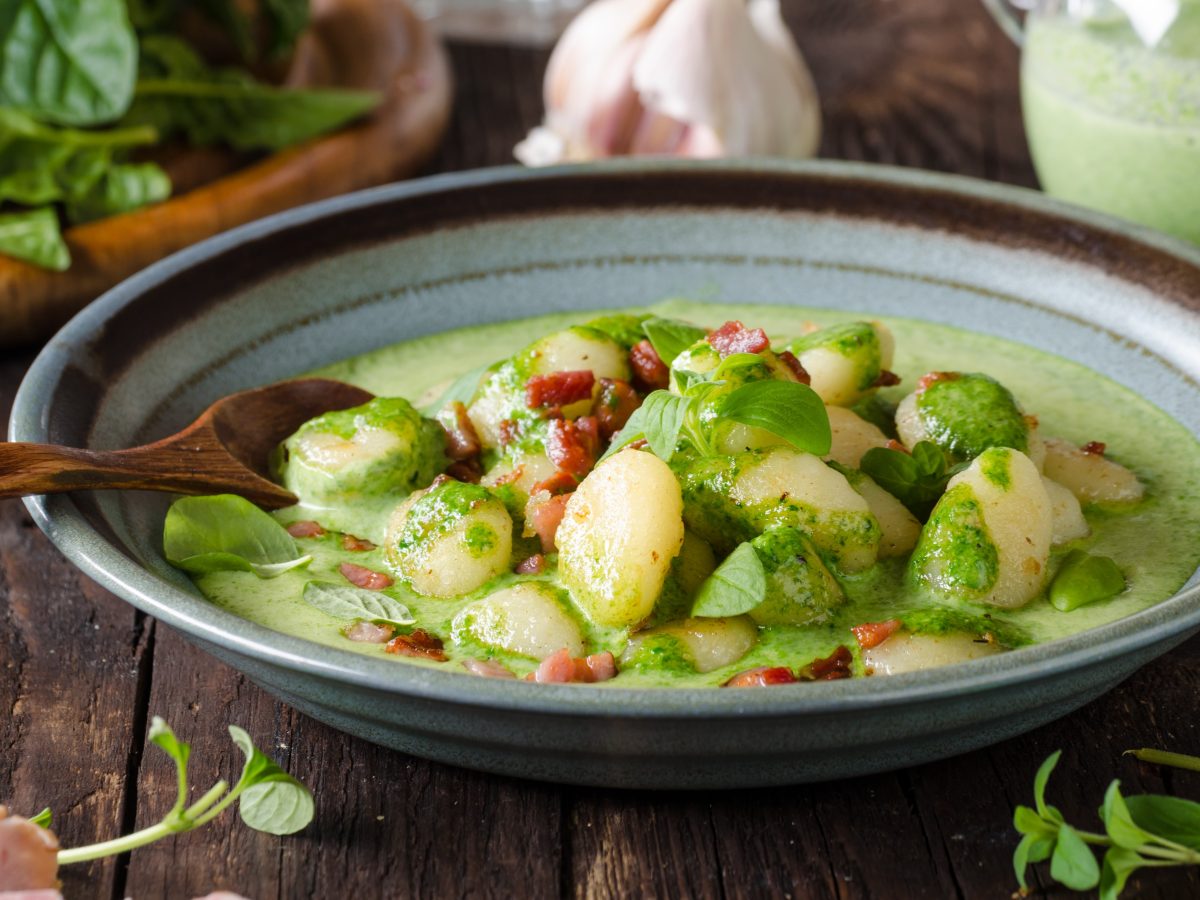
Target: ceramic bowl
(320,283)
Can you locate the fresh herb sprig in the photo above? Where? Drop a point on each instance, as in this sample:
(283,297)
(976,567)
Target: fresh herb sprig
(916,479)
(1140,831)
(344,601)
(268,799)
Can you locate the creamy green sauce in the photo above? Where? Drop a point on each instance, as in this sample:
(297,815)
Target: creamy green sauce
(1154,542)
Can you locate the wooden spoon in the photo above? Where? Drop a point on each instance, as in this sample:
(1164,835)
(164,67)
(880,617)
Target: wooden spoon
(224,451)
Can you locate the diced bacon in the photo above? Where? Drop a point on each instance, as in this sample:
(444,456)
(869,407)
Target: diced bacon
(305,529)
(28,855)
(614,405)
(509,477)
(462,441)
(533,565)
(557,668)
(468,471)
(887,378)
(602,666)
(789,359)
(833,667)
(356,544)
(487,668)
(897,446)
(573,446)
(734,337)
(762,676)
(650,373)
(1094,448)
(508,432)
(559,388)
(545,517)
(583,675)
(370,633)
(420,644)
(364,577)
(558,483)
(872,634)
(931,378)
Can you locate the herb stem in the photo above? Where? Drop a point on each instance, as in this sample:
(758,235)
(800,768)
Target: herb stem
(115,846)
(205,802)
(1166,758)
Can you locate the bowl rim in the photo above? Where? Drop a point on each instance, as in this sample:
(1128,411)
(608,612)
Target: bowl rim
(95,554)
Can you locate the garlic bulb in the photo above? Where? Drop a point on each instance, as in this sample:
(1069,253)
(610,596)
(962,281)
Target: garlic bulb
(699,78)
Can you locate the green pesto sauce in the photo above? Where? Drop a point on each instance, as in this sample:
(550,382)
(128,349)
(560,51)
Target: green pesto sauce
(1154,543)
(964,416)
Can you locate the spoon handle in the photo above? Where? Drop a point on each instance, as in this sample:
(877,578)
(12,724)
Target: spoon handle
(49,469)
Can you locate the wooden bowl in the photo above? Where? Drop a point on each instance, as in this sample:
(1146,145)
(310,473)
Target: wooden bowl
(370,44)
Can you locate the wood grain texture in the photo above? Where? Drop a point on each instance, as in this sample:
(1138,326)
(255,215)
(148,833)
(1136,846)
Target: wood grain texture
(926,82)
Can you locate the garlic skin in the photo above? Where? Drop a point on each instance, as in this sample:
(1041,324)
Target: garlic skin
(692,78)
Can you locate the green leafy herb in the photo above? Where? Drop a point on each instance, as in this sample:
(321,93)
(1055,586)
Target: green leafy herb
(659,421)
(270,799)
(45,819)
(1084,579)
(463,389)
(34,236)
(178,93)
(343,601)
(1146,830)
(917,480)
(227,533)
(282,20)
(670,337)
(788,409)
(72,62)
(738,585)
(122,188)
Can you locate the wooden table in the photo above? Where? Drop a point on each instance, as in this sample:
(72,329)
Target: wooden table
(929,83)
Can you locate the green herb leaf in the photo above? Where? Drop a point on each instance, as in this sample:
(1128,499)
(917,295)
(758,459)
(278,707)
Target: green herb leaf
(1119,864)
(1040,780)
(227,533)
(670,337)
(1073,864)
(463,389)
(1026,821)
(1032,849)
(1084,579)
(123,188)
(738,585)
(34,236)
(1118,822)
(270,799)
(917,480)
(343,601)
(72,62)
(1173,818)
(44,819)
(164,738)
(788,409)
(178,93)
(659,420)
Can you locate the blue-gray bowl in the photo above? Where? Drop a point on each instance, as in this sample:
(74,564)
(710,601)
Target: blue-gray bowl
(320,283)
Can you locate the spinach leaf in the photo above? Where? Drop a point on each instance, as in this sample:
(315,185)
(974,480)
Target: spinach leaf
(122,188)
(343,601)
(788,409)
(34,236)
(738,585)
(271,800)
(282,21)
(227,533)
(71,62)
(917,480)
(179,94)
(670,337)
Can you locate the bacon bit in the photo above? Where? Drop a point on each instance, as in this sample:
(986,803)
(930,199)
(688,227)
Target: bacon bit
(355,544)
(545,517)
(557,668)
(602,666)
(370,633)
(614,405)
(507,432)
(462,440)
(468,471)
(509,477)
(29,854)
(559,483)
(886,378)
(789,359)
(560,668)
(931,378)
(305,529)
(734,337)
(420,643)
(1094,448)
(898,447)
(763,676)
(639,444)
(650,373)
(487,668)
(573,446)
(872,634)
(438,481)
(533,565)
(833,667)
(559,388)
(364,577)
